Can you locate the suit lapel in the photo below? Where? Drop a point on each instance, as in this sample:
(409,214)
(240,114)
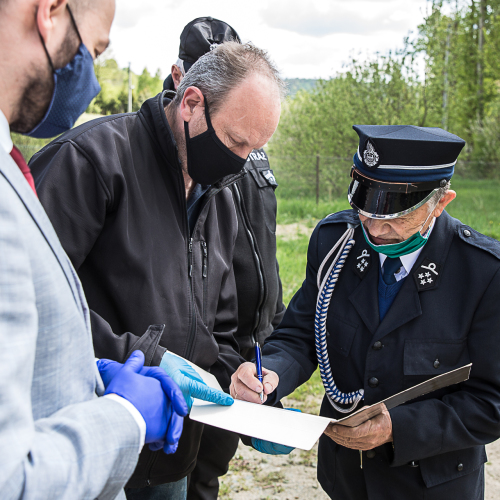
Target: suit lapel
(15,178)
(364,298)
(406,305)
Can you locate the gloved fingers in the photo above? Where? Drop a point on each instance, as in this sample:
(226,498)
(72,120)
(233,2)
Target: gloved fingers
(157,445)
(200,390)
(270,448)
(281,449)
(175,366)
(108,369)
(170,388)
(189,372)
(170,449)
(135,362)
(174,430)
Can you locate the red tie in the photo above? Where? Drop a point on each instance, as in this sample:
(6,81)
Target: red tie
(21,163)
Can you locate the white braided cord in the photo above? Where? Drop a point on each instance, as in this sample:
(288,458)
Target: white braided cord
(345,244)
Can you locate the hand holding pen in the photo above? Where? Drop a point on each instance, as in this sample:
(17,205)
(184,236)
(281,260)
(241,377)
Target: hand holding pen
(258,364)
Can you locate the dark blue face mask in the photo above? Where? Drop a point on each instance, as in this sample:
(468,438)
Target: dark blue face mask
(75,85)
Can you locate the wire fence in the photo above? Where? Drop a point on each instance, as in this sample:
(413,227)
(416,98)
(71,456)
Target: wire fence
(316,176)
(327,177)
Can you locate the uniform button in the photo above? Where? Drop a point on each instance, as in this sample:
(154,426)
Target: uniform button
(460,467)
(373,382)
(436,363)
(467,233)
(370,454)
(377,346)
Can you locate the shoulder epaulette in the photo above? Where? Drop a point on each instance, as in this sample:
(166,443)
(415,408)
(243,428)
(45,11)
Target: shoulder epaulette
(344,217)
(475,238)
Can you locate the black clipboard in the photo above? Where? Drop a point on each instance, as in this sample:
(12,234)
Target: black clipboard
(433,384)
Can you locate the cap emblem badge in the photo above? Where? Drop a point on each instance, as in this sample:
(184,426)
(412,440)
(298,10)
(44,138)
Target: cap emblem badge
(370,156)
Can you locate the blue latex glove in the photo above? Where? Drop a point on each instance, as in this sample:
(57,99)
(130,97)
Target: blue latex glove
(154,394)
(190,383)
(273,448)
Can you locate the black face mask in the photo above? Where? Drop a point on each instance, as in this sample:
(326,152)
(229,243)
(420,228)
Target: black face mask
(208,159)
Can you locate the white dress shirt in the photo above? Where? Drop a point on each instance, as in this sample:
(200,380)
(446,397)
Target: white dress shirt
(5,139)
(407,260)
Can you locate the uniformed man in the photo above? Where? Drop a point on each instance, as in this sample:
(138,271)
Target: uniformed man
(258,285)
(396,292)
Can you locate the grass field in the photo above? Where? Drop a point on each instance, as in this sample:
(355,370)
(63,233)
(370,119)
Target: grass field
(477,205)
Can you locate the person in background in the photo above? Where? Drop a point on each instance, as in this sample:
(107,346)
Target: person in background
(414,294)
(58,438)
(141,206)
(260,304)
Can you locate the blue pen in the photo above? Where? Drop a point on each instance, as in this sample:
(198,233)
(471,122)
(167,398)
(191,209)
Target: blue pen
(258,363)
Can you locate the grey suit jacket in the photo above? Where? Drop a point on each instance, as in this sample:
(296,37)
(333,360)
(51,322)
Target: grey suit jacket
(58,440)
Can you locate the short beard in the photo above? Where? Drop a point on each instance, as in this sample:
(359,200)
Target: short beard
(39,88)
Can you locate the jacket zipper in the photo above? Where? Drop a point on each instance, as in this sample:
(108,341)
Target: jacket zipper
(211,193)
(260,274)
(205,281)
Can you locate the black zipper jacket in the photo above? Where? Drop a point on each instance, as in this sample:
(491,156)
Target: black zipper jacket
(114,191)
(260,298)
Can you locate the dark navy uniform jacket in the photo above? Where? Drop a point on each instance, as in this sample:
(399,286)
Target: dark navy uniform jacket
(431,328)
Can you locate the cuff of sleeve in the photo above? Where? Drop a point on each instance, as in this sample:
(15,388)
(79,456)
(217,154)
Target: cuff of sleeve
(135,413)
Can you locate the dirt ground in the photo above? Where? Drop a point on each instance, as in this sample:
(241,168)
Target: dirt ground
(254,476)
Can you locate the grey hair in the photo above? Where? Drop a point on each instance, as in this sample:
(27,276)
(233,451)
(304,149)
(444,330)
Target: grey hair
(221,70)
(433,202)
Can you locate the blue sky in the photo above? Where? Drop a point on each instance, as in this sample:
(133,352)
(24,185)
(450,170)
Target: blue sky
(307,39)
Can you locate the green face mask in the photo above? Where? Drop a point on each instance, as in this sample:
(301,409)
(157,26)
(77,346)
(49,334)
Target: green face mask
(405,247)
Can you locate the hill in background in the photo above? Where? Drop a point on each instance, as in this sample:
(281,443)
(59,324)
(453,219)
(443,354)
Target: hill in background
(296,84)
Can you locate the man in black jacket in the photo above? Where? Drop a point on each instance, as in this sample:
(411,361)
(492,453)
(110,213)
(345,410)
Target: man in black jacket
(260,304)
(417,296)
(140,206)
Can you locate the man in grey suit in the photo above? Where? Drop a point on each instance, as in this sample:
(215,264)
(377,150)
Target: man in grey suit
(58,439)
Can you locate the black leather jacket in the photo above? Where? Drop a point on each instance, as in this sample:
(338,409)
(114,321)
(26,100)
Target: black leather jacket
(114,191)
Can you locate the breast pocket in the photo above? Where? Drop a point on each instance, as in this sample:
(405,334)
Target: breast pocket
(428,358)
(340,334)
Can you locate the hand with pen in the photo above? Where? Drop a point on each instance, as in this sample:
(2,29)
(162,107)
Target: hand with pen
(246,384)
(251,382)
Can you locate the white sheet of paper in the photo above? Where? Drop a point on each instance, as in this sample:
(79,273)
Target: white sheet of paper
(290,428)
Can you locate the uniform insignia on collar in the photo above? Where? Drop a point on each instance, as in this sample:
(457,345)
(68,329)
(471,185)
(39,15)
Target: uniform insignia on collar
(426,275)
(362,263)
(269,176)
(370,156)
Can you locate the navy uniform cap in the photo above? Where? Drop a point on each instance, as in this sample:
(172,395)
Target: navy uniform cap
(397,168)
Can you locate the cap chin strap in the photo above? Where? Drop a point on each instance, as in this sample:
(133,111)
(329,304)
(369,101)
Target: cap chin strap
(326,288)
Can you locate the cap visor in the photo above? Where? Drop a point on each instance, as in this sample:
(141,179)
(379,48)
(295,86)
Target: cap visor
(379,204)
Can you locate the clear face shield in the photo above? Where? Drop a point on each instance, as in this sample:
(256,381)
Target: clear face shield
(383,200)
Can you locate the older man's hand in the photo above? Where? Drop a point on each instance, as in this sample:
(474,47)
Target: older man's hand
(246,386)
(369,435)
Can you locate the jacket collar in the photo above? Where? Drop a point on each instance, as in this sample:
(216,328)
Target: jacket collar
(153,112)
(406,305)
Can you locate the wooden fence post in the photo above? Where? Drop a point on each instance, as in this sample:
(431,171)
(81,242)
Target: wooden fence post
(317,179)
